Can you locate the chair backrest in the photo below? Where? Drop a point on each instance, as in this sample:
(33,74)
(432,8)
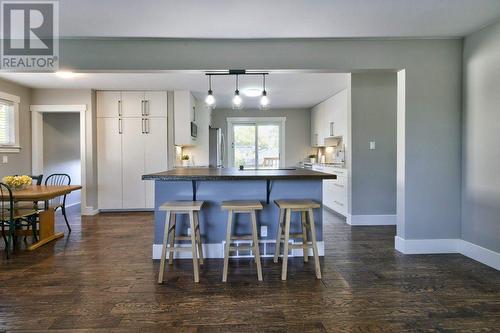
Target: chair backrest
(6,204)
(37,179)
(58,179)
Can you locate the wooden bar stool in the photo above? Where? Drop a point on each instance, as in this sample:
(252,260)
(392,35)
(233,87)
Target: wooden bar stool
(190,208)
(305,207)
(248,207)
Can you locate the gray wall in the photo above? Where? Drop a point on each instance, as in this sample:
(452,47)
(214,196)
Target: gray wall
(373,112)
(19,163)
(86,97)
(297,131)
(433,98)
(61,148)
(481,136)
(199,153)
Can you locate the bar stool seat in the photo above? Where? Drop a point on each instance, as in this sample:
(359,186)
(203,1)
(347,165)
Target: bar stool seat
(305,207)
(241,206)
(192,209)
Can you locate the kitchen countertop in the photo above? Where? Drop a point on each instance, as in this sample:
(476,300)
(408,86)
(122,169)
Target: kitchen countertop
(236,174)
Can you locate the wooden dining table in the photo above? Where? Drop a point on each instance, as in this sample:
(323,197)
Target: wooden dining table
(35,193)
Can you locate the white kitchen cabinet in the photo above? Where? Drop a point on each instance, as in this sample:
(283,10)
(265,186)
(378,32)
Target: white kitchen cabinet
(134,189)
(155,103)
(109,163)
(184,114)
(155,154)
(334,190)
(109,104)
(329,119)
(129,146)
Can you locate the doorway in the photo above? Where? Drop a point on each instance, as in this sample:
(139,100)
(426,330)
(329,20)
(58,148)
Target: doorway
(256,143)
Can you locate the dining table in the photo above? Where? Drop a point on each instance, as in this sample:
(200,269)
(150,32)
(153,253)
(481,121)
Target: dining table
(46,217)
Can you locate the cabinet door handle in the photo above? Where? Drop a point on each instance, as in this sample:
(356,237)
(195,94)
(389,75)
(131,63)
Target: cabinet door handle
(146,107)
(331,128)
(338,203)
(339,185)
(142,109)
(146,121)
(120,126)
(142,126)
(119,108)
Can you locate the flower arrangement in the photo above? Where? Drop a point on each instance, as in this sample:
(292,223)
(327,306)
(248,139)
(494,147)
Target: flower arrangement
(17,182)
(312,158)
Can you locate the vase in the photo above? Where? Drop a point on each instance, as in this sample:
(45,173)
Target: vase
(312,160)
(185,163)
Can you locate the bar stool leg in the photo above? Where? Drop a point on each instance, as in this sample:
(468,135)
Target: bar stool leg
(164,248)
(171,232)
(284,267)
(198,237)
(304,236)
(314,244)
(256,250)
(228,242)
(278,236)
(193,248)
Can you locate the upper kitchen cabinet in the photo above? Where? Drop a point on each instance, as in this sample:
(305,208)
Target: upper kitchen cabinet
(185,129)
(109,104)
(131,104)
(329,119)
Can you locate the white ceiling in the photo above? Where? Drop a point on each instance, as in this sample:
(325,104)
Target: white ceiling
(285,90)
(275,19)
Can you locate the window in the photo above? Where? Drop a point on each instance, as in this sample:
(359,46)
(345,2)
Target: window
(9,123)
(256,143)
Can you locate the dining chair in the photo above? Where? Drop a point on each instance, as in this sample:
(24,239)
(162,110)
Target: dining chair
(14,218)
(60,201)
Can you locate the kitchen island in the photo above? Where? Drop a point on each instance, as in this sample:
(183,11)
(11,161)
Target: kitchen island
(214,185)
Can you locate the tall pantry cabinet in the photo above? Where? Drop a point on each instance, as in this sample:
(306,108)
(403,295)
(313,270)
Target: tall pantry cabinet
(131,141)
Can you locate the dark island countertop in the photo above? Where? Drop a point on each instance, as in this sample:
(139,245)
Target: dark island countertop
(236,174)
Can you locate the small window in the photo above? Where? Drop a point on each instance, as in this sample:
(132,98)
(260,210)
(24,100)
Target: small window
(9,123)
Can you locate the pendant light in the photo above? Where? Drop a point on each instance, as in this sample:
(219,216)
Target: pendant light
(264,100)
(237,101)
(210,99)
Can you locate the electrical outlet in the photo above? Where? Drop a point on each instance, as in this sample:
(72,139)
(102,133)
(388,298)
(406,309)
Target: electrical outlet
(5,159)
(372,145)
(263,231)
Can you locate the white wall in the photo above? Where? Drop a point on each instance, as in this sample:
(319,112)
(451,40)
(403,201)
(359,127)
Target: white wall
(61,148)
(297,131)
(481,138)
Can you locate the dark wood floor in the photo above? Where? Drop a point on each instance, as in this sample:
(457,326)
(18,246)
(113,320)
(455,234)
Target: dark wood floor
(101,278)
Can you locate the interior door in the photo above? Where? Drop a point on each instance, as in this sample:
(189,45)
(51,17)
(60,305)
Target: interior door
(133,163)
(109,160)
(132,103)
(155,145)
(156,103)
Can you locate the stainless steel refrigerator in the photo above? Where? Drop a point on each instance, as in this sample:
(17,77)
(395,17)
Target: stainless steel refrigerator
(216,149)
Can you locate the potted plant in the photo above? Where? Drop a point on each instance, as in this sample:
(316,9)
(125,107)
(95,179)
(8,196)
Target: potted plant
(312,158)
(185,160)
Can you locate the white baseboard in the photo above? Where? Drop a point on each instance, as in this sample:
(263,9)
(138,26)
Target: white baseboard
(89,211)
(216,250)
(371,219)
(479,253)
(436,246)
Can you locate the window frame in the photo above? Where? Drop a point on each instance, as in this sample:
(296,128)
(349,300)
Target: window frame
(15,100)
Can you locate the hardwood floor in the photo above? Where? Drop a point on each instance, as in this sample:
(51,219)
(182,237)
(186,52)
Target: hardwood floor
(101,279)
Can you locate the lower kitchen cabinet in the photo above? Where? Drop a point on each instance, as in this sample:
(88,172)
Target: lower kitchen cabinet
(335,190)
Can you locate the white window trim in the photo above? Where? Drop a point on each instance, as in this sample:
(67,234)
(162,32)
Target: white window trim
(256,120)
(15,100)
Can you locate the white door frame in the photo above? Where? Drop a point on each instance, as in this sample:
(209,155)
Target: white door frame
(257,121)
(37,112)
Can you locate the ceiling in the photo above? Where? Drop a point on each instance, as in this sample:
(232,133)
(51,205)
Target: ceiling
(275,19)
(285,90)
